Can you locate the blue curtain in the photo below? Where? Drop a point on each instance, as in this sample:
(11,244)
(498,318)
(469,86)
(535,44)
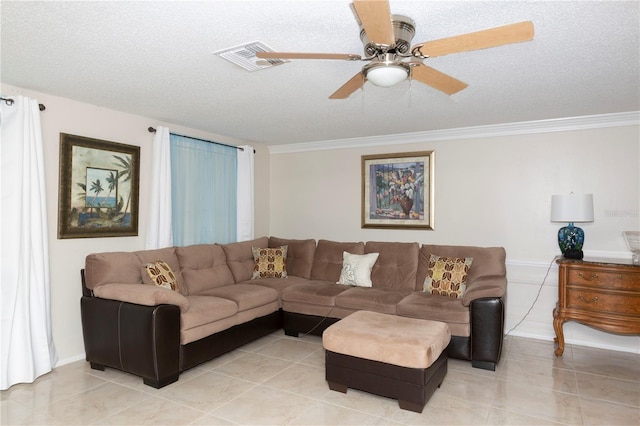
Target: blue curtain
(203,192)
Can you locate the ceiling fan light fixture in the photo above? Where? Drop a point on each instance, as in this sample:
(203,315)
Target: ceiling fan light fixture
(386,74)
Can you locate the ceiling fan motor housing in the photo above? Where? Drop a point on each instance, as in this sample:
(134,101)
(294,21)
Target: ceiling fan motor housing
(404,28)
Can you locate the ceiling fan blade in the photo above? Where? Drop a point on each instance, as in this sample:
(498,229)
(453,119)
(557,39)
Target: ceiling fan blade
(355,14)
(293,55)
(499,36)
(355,83)
(436,79)
(375,16)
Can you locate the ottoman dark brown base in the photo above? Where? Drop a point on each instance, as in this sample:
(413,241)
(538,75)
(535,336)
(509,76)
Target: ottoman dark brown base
(395,357)
(412,387)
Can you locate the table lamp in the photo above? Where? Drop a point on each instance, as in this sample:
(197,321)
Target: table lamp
(571,208)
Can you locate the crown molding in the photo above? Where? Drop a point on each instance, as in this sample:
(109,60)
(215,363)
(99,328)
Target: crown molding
(508,129)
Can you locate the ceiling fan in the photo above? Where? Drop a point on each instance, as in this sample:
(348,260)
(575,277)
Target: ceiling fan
(387,47)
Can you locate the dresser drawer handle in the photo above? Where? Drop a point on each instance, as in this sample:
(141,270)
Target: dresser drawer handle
(592,278)
(592,300)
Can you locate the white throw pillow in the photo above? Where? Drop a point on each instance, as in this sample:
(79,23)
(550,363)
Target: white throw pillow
(356,269)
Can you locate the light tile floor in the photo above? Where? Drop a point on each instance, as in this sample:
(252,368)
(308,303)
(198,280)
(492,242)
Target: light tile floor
(279,380)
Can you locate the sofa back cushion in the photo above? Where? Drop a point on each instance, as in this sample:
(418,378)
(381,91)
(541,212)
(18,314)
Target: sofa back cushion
(327,259)
(240,257)
(112,268)
(129,267)
(487,261)
(299,255)
(203,267)
(397,265)
(168,255)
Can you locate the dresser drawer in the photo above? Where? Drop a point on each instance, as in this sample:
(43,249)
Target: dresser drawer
(598,301)
(587,277)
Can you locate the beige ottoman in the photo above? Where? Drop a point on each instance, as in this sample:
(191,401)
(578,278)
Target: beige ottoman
(396,357)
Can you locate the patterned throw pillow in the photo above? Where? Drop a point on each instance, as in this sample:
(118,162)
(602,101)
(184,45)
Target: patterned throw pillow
(161,275)
(447,276)
(356,269)
(269,262)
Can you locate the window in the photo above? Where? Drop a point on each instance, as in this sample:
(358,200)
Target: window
(203,188)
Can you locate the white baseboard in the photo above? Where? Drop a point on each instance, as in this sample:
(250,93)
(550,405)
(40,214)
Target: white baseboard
(69,360)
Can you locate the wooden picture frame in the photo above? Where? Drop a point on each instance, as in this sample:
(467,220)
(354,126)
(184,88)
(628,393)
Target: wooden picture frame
(98,188)
(398,190)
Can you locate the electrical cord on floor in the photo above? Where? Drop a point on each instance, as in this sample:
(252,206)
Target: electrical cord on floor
(319,322)
(536,299)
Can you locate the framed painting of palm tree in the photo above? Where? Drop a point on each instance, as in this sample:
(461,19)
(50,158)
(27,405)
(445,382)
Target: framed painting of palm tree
(98,188)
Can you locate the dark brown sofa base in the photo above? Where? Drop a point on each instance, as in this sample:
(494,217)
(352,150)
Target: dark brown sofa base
(412,387)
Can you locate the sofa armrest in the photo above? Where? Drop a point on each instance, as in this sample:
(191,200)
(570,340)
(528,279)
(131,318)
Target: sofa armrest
(487,331)
(142,340)
(482,287)
(141,294)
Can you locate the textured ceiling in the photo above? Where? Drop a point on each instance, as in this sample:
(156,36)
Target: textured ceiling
(156,59)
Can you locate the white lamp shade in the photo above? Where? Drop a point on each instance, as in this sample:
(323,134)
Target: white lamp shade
(572,208)
(387,76)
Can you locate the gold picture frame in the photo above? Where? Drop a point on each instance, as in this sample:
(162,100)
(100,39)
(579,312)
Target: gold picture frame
(98,188)
(398,190)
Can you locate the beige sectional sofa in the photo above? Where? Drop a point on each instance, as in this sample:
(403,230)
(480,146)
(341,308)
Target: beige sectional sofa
(156,333)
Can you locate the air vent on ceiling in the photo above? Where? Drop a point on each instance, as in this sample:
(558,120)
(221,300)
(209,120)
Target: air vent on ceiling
(245,56)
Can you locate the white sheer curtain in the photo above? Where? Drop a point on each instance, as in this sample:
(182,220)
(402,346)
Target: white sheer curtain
(245,194)
(27,349)
(159,231)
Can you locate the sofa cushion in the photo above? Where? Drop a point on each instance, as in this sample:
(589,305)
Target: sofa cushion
(314,292)
(269,262)
(246,296)
(447,276)
(299,255)
(112,267)
(161,275)
(203,266)
(141,294)
(397,265)
(240,257)
(356,269)
(167,255)
(278,284)
(371,299)
(327,259)
(205,330)
(437,308)
(206,309)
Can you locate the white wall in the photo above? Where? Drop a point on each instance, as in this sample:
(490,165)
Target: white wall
(489,191)
(67,255)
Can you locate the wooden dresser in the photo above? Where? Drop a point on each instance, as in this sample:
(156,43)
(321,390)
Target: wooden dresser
(601,293)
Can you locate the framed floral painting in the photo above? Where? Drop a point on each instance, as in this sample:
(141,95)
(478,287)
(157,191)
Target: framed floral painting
(397,190)
(98,188)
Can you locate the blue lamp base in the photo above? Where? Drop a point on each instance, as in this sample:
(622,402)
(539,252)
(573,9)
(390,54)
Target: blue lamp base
(570,240)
